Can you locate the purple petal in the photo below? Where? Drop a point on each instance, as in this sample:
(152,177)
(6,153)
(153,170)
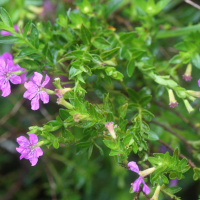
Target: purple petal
(47,79)
(29,95)
(23,150)
(15,79)
(37,78)
(35,103)
(15,27)
(199,82)
(39,151)
(32,87)
(33,161)
(33,139)
(5,89)
(4,33)
(7,56)
(136,184)
(23,141)
(134,167)
(146,189)
(2,64)
(44,97)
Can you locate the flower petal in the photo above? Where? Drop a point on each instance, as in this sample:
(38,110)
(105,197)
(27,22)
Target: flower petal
(15,79)
(134,167)
(33,161)
(47,79)
(33,139)
(37,78)
(44,97)
(39,151)
(5,89)
(23,141)
(146,189)
(30,86)
(29,95)
(35,103)
(199,82)
(23,150)
(136,184)
(2,64)
(7,55)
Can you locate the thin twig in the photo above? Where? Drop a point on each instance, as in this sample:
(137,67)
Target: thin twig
(137,194)
(192,4)
(13,112)
(173,133)
(180,155)
(178,114)
(146,195)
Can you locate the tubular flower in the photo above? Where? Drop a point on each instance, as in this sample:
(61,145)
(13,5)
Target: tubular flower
(6,75)
(29,149)
(187,75)
(4,33)
(136,185)
(110,127)
(36,91)
(172,101)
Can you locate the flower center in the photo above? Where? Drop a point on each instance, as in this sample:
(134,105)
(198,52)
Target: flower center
(6,75)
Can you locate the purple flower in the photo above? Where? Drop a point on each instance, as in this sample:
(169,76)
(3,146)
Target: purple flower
(35,90)
(172,101)
(187,77)
(4,33)
(6,69)
(136,185)
(29,149)
(173,182)
(110,127)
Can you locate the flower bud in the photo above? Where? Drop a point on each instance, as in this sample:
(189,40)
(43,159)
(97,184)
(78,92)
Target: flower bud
(147,171)
(77,117)
(110,127)
(188,106)
(47,91)
(187,75)
(61,92)
(61,101)
(172,101)
(193,93)
(156,193)
(35,9)
(56,83)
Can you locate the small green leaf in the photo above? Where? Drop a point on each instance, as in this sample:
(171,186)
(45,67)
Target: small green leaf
(34,36)
(196,60)
(145,100)
(100,43)
(85,35)
(26,28)
(100,149)
(131,67)
(56,144)
(6,18)
(109,144)
(26,52)
(90,151)
(107,55)
(64,113)
(9,39)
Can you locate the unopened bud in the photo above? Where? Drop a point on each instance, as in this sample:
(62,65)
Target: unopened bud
(188,106)
(61,101)
(193,93)
(156,193)
(61,92)
(172,101)
(77,117)
(187,75)
(147,171)
(56,83)
(35,9)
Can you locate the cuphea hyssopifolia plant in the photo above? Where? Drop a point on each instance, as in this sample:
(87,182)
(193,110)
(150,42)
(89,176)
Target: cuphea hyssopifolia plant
(88,53)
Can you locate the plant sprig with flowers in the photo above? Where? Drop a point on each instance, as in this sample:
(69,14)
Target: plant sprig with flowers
(99,61)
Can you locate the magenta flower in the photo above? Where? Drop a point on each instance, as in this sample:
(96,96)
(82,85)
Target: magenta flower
(6,69)
(110,127)
(136,185)
(187,77)
(36,90)
(4,33)
(29,149)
